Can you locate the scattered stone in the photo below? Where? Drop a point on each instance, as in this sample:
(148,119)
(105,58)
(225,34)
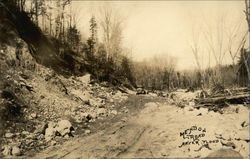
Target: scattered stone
(33,115)
(40,129)
(114,112)
(64,127)
(191,104)
(101,111)
(25,133)
(6,150)
(53,143)
(87,131)
(16,151)
(85,79)
(50,133)
(9,135)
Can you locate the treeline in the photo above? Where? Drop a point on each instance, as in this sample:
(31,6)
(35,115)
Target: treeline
(104,57)
(159,73)
(102,53)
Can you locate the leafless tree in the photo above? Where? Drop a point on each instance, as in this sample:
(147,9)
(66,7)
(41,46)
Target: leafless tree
(111,23)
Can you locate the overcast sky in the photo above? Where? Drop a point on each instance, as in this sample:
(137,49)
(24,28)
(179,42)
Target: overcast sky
(169,27)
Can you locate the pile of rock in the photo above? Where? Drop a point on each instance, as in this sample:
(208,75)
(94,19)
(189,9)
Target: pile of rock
(63,128)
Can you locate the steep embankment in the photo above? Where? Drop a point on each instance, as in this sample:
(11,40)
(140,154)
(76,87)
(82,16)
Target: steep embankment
(33,97)
(17,23)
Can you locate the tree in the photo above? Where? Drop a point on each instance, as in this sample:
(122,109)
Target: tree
(243,67)
(92,40)
(126,70)
(111,25)
(246,58)
(73,38)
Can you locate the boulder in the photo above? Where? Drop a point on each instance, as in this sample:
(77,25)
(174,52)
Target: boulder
(6,150)
(33,115)
(40,129)
(101,111)
(96,102)
(83,96)
(85,79)
(87,131)
(9,135)
(50,133)
(16,151)
(114,112)
(25,133)
(53,143)
(64,127)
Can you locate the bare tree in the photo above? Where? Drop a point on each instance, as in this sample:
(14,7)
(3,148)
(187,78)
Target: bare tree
(247,13)
(111,24)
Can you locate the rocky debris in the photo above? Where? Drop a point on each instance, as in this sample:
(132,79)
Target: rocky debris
(16,151)
(87,132)
(26,133)
(11,150)
(9,135)
(101,111)
(53,143)
(50,133)
(33,116)
(114,112)
(64,127)
(6,150)
(85,79)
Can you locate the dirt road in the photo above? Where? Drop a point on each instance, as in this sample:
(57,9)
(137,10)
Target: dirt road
(162,131)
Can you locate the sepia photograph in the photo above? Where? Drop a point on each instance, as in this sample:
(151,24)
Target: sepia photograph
(124,79)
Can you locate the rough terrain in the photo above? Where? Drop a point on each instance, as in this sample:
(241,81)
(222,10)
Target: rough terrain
(46,115)
(155,133)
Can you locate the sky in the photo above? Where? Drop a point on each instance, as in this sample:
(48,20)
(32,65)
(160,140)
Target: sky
(172,27)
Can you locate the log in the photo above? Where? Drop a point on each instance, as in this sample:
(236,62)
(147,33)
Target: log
(235,99)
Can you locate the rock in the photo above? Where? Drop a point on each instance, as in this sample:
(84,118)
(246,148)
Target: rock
(87,131)
(191,104)
(114,112)
(6,150)
(83,96)
(188,108)
(50,133)
(53,143)
(33,115)
(64,127)
(9,135)
(25,133)
(85,79)
(40,129)
(126,111)
(16,151)
(225,153)
(203,111)
(101,111)
(96,102)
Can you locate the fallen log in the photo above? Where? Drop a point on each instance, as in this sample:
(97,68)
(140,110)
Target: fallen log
(235,99)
